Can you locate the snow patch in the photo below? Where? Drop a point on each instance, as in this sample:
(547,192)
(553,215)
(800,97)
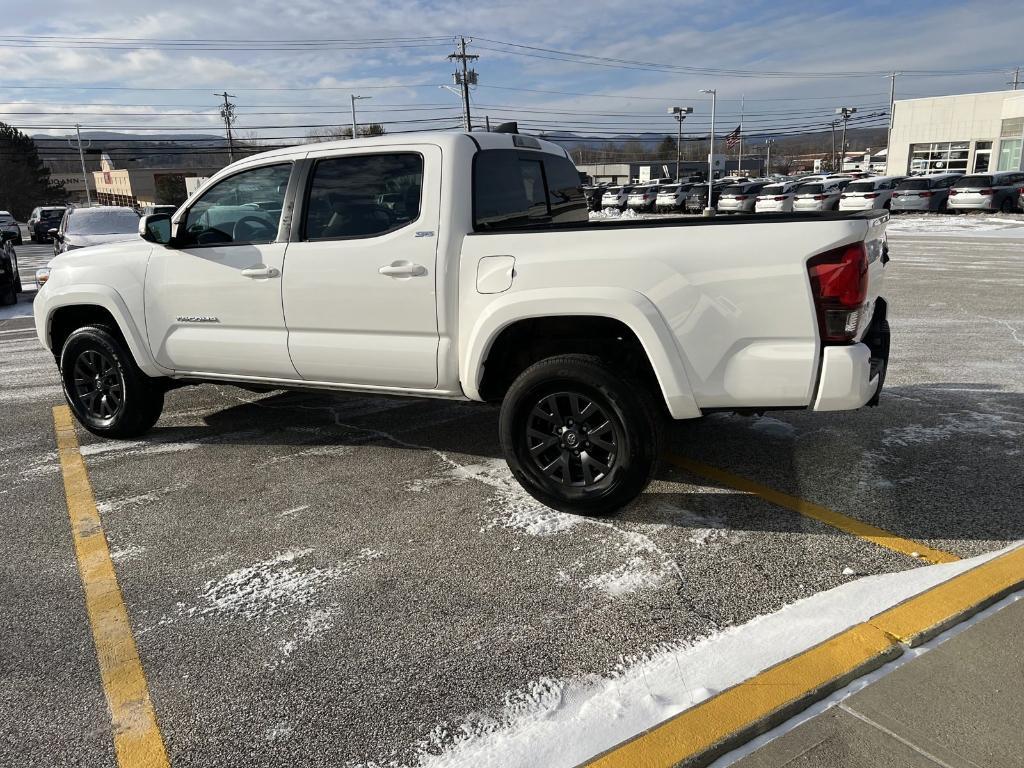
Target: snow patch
(766,425)
(564,722)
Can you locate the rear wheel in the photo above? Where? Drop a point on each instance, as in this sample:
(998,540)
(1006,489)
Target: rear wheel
(579,436)
(1006,206)
(108,393)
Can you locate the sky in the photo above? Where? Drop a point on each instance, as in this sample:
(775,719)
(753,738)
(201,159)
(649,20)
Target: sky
(598,68)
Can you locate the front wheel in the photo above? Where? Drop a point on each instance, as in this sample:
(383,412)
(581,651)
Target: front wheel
(579,436)
(108,393)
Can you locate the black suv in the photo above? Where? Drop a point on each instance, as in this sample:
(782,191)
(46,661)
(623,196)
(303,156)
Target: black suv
(10,280)
(43,219)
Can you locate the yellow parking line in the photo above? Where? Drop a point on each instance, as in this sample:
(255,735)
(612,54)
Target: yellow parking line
(137,739)
(875,535)
(702,733)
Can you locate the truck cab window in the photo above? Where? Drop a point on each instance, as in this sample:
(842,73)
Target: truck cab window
(244,208)
(363,195)
(514,188)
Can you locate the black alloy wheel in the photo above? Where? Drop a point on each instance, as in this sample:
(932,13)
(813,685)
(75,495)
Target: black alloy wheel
(98,385)
(571,439)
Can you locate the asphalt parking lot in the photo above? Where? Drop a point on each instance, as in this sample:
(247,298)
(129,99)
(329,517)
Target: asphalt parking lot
(331,580)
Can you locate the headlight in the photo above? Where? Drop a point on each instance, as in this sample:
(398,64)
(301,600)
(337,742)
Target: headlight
(42,275)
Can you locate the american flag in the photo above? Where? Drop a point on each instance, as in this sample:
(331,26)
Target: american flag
(733,138)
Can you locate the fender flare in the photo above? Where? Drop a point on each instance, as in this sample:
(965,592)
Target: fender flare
(84,295)
(632,309)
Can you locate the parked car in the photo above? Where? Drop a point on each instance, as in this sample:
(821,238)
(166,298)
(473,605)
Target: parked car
(42,220)
(82,227)
(10,280)
(697,198)
(776,198)
(584,362)
(672,197)
(866,193)
(616,197)
(820,195)
(9,228)
(987,192)
(924,193)
(643,197)
(593,194)
(740,198)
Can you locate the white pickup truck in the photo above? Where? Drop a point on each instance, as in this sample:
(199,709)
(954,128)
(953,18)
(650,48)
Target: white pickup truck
(463,266)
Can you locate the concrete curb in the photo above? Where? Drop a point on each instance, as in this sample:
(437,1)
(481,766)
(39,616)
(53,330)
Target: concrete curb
(698,736)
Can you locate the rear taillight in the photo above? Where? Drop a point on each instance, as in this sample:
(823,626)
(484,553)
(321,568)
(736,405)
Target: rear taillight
(818,197)
(985,191)
(871,195)
(954,191)
(925,194)
(779,199)
(843,197)
(839,283)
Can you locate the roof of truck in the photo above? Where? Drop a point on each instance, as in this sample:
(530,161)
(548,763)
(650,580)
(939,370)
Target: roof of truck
(483,140)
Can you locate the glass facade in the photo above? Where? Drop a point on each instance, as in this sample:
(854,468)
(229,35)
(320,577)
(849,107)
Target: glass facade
(939,157)
(1011,139)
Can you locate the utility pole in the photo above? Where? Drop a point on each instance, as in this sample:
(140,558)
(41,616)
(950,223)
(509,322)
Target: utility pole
(846,112)
(228,113)
(1016,78)
(768,162)
(465,78)
(832,162)
(81,156)
(739,161)
(710,211)
(892,114)
(680,114)
(355,125)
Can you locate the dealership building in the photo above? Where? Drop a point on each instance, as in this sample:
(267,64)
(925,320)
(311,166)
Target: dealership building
(139,187)
(967,133)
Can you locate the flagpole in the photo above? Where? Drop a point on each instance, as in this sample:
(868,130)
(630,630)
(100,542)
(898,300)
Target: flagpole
(739,163)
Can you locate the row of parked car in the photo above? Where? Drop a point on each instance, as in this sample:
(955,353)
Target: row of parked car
(952,192)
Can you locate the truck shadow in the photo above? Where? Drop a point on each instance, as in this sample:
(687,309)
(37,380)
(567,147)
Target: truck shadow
(933,463)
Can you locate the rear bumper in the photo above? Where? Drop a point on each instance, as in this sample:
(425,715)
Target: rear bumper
(853,376)
(972,205)
(912,204)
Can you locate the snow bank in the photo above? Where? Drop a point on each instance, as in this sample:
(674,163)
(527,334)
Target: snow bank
(564,722)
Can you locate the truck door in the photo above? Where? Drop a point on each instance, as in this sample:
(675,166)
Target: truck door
(359,283)
(213,297)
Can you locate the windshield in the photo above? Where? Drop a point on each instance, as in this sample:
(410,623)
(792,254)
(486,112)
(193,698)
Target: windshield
(809,189)
(973,182)
(774,189)
(670,190)
(914,184)
(103,221)
(613,190)
(733,190)
(52,214)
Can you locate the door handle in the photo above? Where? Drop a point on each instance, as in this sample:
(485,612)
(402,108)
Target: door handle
(260,272)
(403,269)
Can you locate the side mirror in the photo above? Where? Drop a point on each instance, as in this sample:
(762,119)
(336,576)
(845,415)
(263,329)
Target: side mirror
(156,228)
(52,232)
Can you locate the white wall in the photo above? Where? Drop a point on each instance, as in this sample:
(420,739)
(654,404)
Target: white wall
(968,117)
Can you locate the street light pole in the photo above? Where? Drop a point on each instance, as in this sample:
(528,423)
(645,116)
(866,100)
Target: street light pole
(846,112)
(81,157)
(710,210)
(355,125)
(768,162)
(680,114)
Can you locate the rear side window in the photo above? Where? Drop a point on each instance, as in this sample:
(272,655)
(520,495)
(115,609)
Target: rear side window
(915,184)
(733,190)
(356,196)
(861,186)
(809,189)
(973,182)
(515,188)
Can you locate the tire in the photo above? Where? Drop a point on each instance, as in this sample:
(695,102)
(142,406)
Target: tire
(1006,206)
(553,395)
(98,350)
